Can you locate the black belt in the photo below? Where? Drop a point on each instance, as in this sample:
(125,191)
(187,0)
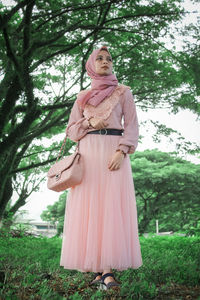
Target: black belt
(105,131)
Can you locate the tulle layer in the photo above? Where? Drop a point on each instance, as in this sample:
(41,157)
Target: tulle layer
(100,227)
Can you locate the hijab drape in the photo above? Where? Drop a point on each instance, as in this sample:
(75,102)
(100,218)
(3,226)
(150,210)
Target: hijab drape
(101,86)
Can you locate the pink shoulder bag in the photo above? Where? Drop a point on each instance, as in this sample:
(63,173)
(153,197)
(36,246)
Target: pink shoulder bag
(67,172)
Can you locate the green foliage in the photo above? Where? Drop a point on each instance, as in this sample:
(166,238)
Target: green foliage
(56,212)
(44,48)
(167,189)
(31,269)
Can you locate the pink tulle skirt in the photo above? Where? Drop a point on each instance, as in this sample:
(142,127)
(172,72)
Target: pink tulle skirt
(100,226)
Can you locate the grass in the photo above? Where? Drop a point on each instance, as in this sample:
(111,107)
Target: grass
(29,269)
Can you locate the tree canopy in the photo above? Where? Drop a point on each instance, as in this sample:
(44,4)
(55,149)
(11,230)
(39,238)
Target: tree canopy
(44,48)
(167,189)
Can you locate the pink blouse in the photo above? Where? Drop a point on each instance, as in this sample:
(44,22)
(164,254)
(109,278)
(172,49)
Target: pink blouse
(114,109)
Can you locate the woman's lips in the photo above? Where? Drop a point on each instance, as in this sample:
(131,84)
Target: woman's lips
(105,67)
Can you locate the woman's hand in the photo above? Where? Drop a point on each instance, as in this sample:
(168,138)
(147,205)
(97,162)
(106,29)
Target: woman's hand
(116,161)
(98,123)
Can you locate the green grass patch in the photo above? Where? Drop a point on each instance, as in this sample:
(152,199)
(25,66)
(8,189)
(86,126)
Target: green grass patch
(29,269)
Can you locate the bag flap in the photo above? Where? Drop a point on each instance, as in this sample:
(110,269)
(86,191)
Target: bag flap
(62,165)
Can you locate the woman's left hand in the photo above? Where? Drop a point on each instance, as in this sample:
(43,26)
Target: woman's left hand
(116,161)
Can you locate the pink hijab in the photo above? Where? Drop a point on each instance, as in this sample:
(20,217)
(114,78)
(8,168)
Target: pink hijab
(101,86)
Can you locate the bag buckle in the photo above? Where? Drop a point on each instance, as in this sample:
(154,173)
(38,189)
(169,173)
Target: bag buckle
(58,176)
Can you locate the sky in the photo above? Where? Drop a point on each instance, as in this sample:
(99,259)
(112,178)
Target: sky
(184,122)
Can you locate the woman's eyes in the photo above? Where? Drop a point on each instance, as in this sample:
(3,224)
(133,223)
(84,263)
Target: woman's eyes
(101,58)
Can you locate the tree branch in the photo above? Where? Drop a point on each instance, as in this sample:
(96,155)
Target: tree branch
(5,19)
(41,130)
(24,195)
(10,52)
(39,44)
(23,108)
(20,154)
(38,152)
(131,16)
(27,24)
(78,7)
(32,166)
(15,136)
(8,104)
(34,66)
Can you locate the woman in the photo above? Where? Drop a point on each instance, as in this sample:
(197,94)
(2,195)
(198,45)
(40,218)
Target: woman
(100,228)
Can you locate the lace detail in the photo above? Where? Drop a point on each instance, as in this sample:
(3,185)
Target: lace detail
(104,109)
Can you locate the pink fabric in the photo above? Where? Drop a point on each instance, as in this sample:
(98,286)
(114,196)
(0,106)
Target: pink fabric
(100,227)
(105,108)
(101,86)
(65,173)
(78,124)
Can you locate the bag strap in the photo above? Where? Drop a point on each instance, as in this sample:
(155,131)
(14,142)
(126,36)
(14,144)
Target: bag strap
(63,147)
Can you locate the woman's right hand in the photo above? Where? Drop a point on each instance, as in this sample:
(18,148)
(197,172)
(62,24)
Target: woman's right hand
(98,123)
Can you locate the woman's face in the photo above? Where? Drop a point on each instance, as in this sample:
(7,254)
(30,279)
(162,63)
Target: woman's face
(103,63)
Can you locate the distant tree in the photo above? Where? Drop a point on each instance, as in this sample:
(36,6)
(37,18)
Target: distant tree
(56,212)
(167,189)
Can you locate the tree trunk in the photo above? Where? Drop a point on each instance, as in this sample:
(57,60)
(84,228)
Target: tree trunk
(6,196)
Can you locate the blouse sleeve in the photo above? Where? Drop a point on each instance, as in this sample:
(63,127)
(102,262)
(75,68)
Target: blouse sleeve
(129,141)
(77,125)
